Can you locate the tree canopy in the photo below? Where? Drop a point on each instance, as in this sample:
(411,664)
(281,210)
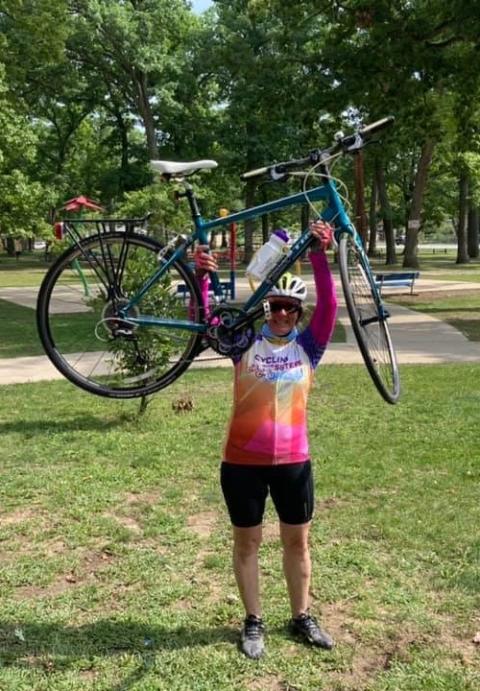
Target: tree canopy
(91,90)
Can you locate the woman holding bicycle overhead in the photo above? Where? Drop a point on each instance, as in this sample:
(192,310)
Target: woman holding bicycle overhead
(267,448)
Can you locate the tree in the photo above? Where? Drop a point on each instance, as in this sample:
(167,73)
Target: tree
(138,48)
(23,201)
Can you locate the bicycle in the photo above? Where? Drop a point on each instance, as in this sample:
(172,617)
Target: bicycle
(121,315)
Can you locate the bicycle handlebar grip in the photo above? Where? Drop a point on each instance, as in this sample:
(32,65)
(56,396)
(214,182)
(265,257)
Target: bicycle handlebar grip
(254,173)
(377,126)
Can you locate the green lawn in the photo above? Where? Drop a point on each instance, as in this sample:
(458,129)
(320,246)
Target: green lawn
(27,271)
(437,267)
(115,546)
(20,337)
(460,310)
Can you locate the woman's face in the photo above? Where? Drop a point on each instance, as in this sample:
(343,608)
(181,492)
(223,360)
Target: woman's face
(284,314)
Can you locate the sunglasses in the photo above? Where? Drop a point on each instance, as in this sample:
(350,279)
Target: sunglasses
(287,306)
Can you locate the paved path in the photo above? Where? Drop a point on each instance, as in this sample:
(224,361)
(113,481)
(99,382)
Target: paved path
(418,338)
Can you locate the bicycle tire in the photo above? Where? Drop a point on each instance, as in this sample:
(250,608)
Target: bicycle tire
(79,325)
(368,319)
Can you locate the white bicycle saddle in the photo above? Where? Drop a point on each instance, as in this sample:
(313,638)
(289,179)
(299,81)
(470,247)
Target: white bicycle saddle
(177,168)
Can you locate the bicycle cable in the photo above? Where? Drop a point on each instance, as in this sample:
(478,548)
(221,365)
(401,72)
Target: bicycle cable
(338,182)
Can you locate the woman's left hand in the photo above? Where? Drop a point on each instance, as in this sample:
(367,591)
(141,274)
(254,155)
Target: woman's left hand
(323,232)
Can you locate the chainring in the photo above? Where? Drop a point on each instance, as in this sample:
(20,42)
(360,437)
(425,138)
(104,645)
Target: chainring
(224,337)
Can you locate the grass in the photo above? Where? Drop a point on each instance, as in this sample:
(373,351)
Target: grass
(20,339)
(441,267)
(460,309)
(115,545)
(27,271)
(30,268)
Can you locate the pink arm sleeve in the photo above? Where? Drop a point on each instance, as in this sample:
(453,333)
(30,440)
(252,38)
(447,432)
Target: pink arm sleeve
(204,284)
(323,317)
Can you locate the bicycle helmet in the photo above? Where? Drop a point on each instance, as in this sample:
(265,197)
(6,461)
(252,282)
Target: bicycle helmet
(289,286)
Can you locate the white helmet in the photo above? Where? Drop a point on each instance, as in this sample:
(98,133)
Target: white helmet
(289,286)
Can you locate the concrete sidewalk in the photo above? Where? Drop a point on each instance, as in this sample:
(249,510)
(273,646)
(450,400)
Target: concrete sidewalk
(417,337)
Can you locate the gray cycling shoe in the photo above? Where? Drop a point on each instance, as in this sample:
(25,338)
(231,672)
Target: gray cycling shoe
(251,637)
(307,627)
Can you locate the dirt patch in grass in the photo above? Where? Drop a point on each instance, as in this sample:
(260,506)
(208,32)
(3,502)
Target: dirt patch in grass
(143,498)
(271,531)
(464,649)
(89,568)
(268,683)
(203,523)
(127,522)
(328,503)
(368,659)
(18,517)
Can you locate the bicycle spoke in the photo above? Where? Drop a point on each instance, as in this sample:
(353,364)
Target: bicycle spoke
(369,319)
(84,315)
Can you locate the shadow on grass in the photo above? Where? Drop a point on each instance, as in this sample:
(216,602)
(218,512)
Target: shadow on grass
(81,423)
(31,645)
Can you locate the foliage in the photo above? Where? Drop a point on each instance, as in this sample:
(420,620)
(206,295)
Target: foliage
(168,217)
(93,89)
(153,345)
(23,201)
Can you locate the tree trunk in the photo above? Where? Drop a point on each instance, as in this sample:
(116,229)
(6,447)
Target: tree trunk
(472,231)
(462,250)
(360,215)
(147,116)
(372,215)
(123,133)
(224,244)
(386,212)
(265,224)
(304,217)
(410,258)
(250,223)
(10,246)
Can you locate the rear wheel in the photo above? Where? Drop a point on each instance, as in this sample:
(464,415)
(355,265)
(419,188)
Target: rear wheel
(369,319)
(86,337)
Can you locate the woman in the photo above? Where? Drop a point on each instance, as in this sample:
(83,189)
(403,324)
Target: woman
(267,447)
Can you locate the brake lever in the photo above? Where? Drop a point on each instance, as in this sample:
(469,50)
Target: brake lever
(357,144)
(277,174)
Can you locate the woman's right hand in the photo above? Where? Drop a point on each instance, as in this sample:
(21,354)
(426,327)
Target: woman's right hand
(203,260)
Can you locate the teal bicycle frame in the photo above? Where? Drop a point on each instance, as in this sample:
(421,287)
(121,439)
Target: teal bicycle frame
(334,213)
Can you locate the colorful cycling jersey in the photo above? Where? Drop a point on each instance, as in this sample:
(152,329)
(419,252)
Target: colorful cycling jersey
(272,381)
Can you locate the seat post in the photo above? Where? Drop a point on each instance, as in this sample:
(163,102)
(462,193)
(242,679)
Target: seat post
(192,200)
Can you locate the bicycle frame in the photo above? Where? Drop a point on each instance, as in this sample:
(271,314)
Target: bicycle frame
(333,213)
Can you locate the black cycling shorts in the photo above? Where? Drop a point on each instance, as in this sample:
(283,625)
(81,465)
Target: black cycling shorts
(246,487)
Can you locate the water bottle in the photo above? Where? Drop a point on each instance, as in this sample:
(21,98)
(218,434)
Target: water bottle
(267,256)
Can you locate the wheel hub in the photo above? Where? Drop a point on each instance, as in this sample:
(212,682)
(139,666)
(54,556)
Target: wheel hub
(116,324)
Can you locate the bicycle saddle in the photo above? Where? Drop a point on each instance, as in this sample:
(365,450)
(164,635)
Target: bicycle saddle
(177,168)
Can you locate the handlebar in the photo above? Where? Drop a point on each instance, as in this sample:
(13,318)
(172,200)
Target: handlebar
(343,144)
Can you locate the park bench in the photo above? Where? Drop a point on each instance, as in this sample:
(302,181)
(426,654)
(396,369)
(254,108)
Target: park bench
(396,280)
(228,289)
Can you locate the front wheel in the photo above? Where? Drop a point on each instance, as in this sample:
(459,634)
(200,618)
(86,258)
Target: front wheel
(85,326)
(369,319)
